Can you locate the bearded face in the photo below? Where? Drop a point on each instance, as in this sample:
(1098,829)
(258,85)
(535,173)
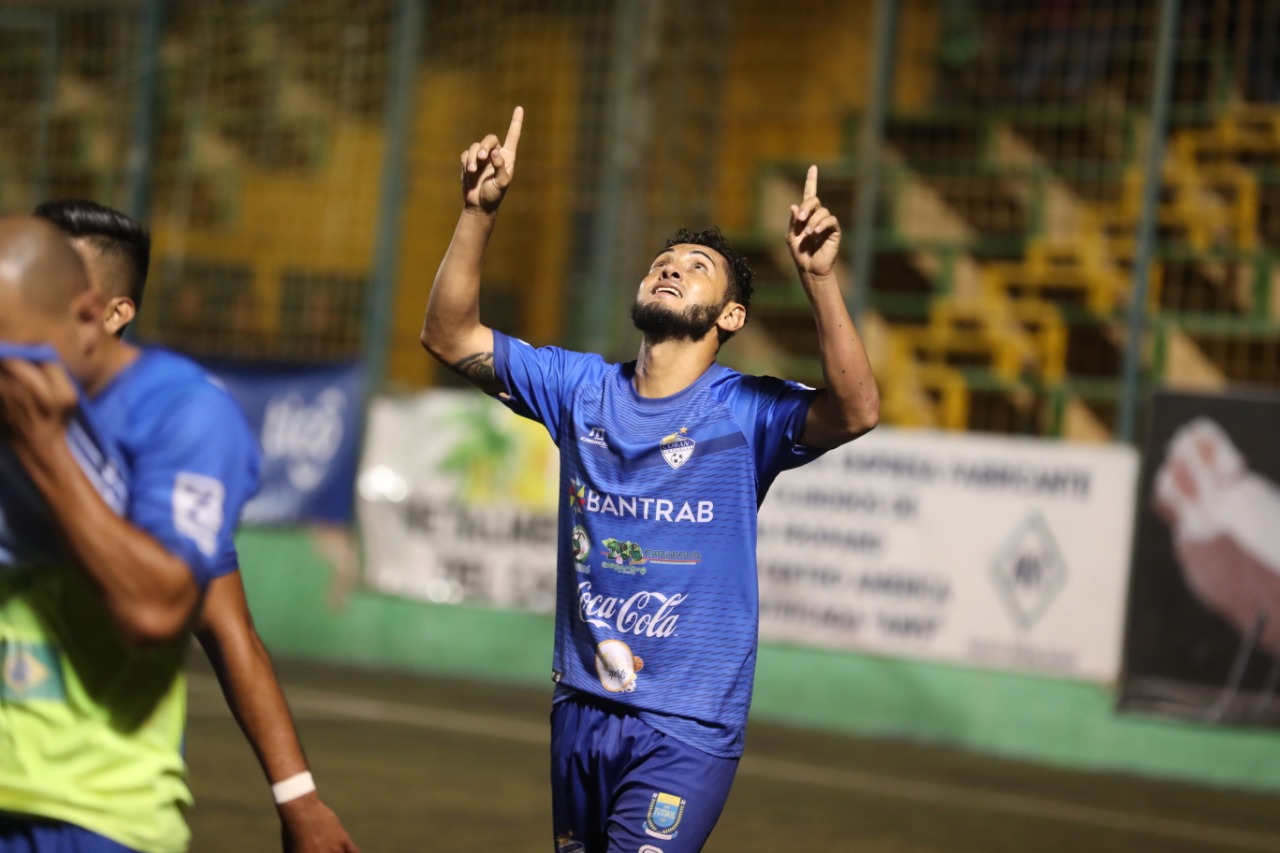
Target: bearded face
(660,323)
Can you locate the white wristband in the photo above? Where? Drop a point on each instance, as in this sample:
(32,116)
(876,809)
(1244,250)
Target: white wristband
(295,786)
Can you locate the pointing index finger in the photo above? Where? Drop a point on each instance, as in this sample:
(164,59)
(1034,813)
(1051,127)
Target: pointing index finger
(513,132)
(810,184)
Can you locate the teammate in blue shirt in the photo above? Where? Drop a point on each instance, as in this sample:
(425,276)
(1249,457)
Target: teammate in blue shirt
(97,705)
(664,463)
(28,535)
(165,408)
(47,300)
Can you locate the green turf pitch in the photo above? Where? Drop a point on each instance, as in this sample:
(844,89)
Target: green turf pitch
(414,764)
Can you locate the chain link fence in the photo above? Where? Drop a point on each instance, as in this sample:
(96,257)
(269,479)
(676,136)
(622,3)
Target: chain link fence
(1007,205)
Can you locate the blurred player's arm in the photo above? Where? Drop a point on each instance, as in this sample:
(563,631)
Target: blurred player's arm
(849,405)
(225,630)
(149,593)
(451,330)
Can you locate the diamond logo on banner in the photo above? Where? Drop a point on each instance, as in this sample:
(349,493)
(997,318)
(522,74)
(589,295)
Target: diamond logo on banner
(1029,571)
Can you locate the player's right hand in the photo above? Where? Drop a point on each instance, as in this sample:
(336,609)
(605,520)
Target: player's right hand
(307,825)
(813,235)
(487,167)
(36,401)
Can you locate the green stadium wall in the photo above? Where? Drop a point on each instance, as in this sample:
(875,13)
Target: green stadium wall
(291,589)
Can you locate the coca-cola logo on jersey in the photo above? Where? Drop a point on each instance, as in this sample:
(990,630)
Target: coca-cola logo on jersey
(643,614)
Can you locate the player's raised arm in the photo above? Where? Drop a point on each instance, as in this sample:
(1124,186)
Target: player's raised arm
(451,330)
(850,404)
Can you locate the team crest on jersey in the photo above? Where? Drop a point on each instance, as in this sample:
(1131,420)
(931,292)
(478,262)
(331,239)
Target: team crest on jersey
(677,447)
(663,819)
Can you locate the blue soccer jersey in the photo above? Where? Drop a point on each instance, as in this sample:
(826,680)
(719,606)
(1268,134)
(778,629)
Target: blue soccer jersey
(95,724)
(28,535)
(657,603)
(192,458)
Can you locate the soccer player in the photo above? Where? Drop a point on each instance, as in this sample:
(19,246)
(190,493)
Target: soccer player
(115,249)
(91,710)
(28,537)
(664,463)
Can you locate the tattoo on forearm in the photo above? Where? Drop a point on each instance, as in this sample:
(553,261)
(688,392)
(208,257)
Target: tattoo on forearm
(477,369)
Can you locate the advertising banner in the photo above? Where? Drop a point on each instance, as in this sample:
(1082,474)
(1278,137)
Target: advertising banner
(987,551)
(457,502)
(984,551)
(308,422)
(1202,639)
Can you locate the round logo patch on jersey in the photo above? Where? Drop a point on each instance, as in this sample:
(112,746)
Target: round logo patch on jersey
(581,544)
(616,666)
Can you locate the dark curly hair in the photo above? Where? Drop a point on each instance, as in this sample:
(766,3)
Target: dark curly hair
(741,277)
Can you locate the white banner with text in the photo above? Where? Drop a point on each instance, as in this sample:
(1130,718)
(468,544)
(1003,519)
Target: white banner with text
(984,551)
(989,551)
(456,499)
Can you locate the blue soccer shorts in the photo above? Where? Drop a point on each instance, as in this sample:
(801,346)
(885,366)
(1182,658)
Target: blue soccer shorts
(620,786)
(20,834)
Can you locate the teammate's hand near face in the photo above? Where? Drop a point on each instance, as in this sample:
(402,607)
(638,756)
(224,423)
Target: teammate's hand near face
(487,167)
(36,401)
(813,235)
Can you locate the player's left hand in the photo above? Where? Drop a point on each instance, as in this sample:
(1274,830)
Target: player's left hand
(36,401)
(307,825)
(813,236)
(489,166)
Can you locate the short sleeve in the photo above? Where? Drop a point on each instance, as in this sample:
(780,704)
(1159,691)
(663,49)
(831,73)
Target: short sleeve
(193,480)
(779,409)
(539,380)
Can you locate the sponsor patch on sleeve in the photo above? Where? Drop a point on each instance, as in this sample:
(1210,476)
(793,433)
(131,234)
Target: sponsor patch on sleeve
(198,509)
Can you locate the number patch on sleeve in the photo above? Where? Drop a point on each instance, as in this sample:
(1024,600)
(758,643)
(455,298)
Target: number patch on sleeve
(197,509)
